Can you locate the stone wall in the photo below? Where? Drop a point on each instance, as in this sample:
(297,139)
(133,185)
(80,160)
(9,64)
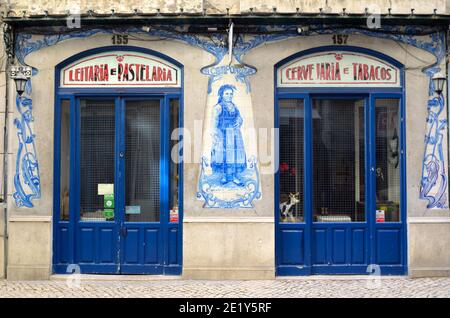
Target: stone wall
(429,241)
(220,6)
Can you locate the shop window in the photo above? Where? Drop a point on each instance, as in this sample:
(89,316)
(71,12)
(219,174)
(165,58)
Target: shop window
(97,140)
(291,169)
(65,161)
(97,160)
(387,116)
(142,160)
(338,161)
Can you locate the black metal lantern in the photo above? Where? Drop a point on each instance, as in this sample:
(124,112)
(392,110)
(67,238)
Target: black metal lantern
(21,81)
(20,75)
(439,82)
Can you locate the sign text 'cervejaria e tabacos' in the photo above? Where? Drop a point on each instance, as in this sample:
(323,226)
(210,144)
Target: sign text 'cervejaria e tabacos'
(338,69)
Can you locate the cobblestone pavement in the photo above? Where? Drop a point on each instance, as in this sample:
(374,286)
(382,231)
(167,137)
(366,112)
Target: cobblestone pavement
(290,288)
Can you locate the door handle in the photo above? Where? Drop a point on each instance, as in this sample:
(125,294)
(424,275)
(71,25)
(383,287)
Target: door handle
(123,231)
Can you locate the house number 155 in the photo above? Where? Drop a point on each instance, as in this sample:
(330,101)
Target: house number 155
(119,39)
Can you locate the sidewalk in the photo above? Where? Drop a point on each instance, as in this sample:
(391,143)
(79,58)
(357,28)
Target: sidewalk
(157,287)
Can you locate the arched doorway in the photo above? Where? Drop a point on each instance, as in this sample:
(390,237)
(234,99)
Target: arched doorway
(340,189)
(117,191)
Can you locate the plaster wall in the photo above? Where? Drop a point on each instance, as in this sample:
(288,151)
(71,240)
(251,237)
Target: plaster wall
(2,149)
(429,241)
(218,243)
(336,6)
(38,7)
(29,248)
(225,248)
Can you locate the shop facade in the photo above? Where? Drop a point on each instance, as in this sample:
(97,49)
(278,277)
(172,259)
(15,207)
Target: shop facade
(245,146)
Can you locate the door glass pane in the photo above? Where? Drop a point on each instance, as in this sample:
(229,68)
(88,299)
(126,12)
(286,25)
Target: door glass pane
(142,161)
(291,119)
(387,116)
(97,135)
(174,166)
(65,160)
(338,161)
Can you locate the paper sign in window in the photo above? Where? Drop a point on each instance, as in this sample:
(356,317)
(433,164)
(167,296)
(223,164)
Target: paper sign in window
(105,188)
(108,201)
(133,209)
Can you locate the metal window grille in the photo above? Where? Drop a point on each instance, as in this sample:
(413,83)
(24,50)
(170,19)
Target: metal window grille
(291,170)
(174,173)
(143,160)
(388,158)
(338,161)
(97,139)
(65,160)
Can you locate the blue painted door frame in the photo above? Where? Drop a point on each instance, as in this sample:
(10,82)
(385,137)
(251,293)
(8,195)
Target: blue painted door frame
(381,244)
(297,244)
(108,254)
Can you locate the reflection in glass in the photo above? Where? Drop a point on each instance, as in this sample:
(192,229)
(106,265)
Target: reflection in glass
(142,161)
(65,160)
(97,134)
(387,160)
(291,194)
(174,166)
(338,161)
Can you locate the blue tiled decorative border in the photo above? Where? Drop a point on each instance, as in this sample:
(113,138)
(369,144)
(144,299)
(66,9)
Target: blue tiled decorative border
(27,176)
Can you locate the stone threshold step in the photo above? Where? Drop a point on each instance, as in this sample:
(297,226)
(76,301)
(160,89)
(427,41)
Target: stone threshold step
(342,277)
(91,277)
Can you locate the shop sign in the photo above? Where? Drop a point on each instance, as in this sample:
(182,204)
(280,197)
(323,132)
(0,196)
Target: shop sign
(338,69)
(121,68)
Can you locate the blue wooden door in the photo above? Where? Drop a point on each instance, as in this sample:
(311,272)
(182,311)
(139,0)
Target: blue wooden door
(145,171)
(340,184)
(388,244)
(339,223)
(124,187)
(293,230)
(96,224)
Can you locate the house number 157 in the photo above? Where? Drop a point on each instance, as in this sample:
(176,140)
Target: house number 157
(340,39)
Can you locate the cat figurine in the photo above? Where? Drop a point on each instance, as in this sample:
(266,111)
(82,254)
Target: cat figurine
(285,207)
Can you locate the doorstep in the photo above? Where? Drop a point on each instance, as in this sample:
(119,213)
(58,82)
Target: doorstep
(341,277)
(92,277)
